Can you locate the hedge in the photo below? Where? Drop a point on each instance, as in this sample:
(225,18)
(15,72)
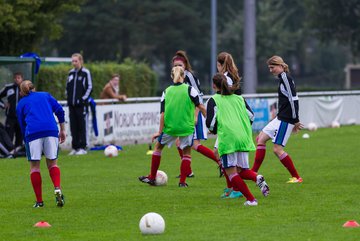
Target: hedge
(137,79)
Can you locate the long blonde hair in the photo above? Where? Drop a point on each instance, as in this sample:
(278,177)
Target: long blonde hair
(26,87)
(277,60)
(177,74)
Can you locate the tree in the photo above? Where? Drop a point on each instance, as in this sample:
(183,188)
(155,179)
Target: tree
(336,19)
(23,24)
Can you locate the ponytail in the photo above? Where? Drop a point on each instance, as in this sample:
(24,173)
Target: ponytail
(26,87)
(220,82)
(177,74)
(277,60)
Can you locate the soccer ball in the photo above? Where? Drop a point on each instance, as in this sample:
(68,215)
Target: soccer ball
(161,178)
(312,126)
(306,136)
(111,151)
(152,223)
(335,124)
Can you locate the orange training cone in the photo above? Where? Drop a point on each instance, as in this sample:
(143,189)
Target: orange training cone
(42,224)
(351,224)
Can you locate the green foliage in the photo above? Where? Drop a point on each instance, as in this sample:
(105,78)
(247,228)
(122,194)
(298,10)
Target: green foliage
(24,23)
(137,79)
(105,201)
(336,19)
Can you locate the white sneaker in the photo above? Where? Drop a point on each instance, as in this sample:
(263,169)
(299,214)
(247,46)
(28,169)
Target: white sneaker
(251,203)
(81,152)
(260,182)
(73,151)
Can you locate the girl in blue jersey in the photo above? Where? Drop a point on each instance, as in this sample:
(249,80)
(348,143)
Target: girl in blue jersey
(286,121)
(35,113)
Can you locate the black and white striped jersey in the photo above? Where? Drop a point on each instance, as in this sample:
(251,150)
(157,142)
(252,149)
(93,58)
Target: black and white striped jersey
(193,81)
(288,101)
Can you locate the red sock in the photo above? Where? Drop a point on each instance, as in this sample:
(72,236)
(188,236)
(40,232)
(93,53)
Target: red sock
(54,172)
(155,163)
(181,154)
(241,185)
(288,163)
(185,168)
(248,174)
(35,178)
(207,152)
(259,157)
(228,182)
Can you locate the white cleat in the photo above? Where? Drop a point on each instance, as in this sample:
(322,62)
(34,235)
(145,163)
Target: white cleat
(260,182)
(251,203)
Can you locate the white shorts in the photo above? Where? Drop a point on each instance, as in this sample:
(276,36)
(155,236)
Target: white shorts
(236,159)
(200,128)
(165,139)
(47,145)
(279,131)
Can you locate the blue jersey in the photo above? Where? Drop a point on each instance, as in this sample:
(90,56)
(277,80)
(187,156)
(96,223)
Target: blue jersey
(35,113)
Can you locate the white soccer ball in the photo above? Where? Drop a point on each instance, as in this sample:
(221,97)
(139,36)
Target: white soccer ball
(312,126)
(111,151)
(306,136)
(152,223)
(335,124)
(161,178)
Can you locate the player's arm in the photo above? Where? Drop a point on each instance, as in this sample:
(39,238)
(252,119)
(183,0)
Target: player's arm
(21,119)
(211,122)
(195,98)
(250,112)
(161,125)
(60,114)
(89,86)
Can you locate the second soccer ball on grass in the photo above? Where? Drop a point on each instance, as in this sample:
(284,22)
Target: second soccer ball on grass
(111,151)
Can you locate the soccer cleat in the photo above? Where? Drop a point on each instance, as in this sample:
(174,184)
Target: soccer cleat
(221,174)
(251,203)
(59,197)
(235,194)
(38,205)
(183,184)
(190,175)
(295,180)
(146,179)
(227,192)
(260,182)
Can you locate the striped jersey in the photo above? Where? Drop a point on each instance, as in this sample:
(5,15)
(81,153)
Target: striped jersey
(288,101)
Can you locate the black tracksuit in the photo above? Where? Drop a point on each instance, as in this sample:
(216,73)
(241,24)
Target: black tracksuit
(78,90)
(12,93)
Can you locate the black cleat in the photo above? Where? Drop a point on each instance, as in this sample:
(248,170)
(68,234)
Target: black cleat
(38,205)
(147,180)
(183,184)
(221,174)
(59,197)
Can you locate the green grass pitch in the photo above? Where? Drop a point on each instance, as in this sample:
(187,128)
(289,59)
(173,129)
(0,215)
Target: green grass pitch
(105,200)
